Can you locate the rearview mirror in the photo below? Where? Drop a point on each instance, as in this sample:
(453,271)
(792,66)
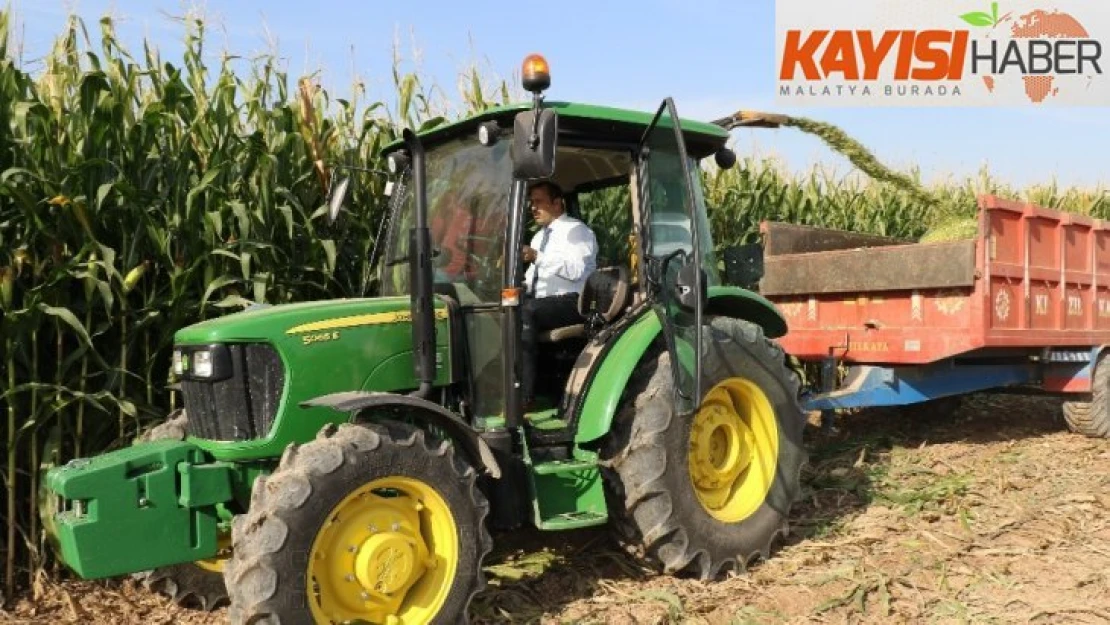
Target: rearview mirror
(534,142)
(335,202)
(743,265)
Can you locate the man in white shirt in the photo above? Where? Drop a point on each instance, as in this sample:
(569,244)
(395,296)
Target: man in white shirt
(563,254)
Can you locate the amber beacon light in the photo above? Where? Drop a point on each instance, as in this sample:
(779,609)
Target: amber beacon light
(535,73)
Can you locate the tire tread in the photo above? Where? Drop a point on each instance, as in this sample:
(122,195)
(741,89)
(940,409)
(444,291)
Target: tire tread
(635,464)
(254,574)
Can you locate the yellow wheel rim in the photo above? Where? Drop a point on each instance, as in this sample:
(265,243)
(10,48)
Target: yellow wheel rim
(387,554)
(734,448)
(216,563)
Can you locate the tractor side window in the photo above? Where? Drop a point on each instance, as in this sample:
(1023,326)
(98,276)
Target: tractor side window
(468,197)
(670,223)
(608,212)
(708,251)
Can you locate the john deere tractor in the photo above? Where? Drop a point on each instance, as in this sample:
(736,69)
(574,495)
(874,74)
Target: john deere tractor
(350,460)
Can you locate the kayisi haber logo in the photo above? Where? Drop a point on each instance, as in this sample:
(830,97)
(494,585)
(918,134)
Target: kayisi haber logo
(1004,54)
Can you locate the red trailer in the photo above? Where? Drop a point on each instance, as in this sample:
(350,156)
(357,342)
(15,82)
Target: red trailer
(1025,302)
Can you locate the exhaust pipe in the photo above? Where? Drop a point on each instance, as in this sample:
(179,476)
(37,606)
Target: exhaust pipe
(420,275)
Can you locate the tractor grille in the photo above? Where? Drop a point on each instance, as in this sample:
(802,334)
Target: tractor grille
(242,407)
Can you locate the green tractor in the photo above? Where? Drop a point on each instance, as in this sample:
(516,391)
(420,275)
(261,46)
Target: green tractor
(344,461)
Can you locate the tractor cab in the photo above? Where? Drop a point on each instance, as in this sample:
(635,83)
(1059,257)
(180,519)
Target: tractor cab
(634,188)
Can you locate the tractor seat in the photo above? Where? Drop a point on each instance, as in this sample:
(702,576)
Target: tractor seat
(603,298)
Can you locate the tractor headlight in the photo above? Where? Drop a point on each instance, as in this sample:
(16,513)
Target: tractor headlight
(202,363)
(210,363)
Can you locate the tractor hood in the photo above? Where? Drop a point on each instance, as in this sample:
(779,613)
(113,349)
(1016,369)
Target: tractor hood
(292,353)
(270,322)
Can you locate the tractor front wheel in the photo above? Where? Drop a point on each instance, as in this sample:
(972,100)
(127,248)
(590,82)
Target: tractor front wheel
(367,523)
(709,491)
(199,584)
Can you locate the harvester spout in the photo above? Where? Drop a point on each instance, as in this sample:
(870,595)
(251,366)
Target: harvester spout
(752,119)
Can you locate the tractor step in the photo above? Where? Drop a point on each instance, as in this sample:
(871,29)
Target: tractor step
(569,493)
(574,520)
(546,420)
(546,429)
(563,466)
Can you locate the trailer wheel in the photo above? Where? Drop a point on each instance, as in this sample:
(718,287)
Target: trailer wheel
(367,523)
(712,491)
(1091,416)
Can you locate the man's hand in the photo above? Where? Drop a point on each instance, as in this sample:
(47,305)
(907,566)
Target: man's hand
(528,254)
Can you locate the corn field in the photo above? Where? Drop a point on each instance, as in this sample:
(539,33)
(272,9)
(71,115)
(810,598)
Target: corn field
(139,195)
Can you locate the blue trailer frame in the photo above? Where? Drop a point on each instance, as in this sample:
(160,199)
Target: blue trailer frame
(868,386)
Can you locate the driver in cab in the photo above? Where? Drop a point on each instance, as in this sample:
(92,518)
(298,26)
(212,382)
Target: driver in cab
(561,256)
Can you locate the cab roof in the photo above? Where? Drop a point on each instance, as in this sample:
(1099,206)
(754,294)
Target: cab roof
(585,121)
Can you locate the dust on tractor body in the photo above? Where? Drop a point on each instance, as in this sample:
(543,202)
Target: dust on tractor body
(349,460)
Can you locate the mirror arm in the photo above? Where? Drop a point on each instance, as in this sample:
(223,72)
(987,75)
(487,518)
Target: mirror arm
(537,104)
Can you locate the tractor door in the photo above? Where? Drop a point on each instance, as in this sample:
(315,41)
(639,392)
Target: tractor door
(672,252)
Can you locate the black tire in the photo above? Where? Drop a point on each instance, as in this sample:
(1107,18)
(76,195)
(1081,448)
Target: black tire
(272,542)
(175,427)
(188,584)
(653,501)
(1091,415)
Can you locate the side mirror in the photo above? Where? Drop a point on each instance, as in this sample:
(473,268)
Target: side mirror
(725,158)
(744,265)
(535,135)
(684,286)
(335,201)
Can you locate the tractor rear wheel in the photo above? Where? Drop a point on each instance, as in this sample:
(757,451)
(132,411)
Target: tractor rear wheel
(201,583)
(367,523)
(1091,416)
(711,491)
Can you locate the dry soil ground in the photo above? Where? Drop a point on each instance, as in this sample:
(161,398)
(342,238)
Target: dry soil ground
(990,514)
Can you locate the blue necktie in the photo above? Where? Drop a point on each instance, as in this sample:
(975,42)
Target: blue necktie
(535,269)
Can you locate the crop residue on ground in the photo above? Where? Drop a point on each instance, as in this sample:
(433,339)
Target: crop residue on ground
(991,513)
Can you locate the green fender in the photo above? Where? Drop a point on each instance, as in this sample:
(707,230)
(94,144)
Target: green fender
(616,369)
(738,303)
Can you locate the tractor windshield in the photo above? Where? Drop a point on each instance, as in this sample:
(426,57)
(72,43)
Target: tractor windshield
(468,190)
